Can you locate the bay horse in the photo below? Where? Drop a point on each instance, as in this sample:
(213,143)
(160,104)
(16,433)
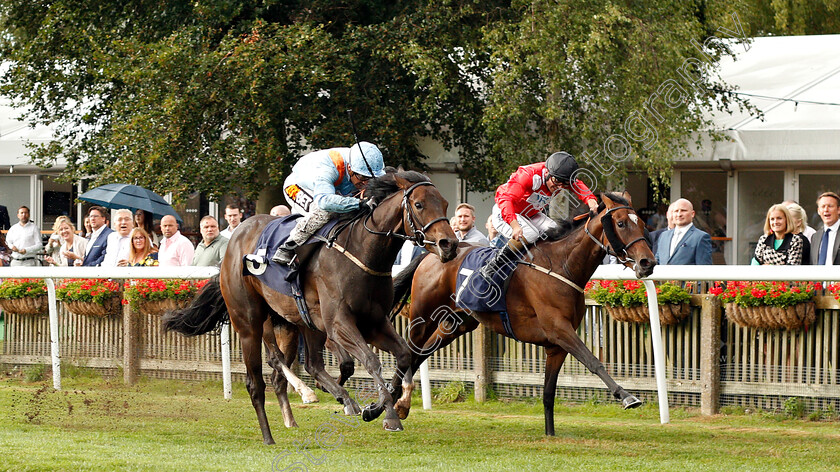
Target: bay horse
(545,299)
(348,289)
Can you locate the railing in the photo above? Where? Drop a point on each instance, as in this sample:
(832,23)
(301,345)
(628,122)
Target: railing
(704,273)
(50,274)
(758,363)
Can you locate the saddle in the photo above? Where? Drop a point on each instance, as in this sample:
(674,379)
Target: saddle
(475,292)
(279,277)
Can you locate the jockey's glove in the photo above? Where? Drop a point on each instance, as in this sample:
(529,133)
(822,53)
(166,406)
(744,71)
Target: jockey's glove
(367,204)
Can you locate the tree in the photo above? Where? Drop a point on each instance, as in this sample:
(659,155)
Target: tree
(615,83)
(791,17)
(219,96)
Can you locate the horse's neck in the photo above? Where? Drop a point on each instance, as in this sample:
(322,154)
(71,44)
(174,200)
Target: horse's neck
(377,251)
(578,255)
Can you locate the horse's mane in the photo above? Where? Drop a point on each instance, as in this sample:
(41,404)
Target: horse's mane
(383,187)
(568,226)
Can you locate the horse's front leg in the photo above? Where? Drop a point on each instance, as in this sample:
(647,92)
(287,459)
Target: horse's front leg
(315,341)
(345,333)
(568,339)
(387,339)
(425,337)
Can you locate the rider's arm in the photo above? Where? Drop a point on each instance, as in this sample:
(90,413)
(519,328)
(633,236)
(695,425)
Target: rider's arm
(325,197)
(510,196)
(585,195)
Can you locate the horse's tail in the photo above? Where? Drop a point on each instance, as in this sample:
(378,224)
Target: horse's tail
(402,285)
(206,313)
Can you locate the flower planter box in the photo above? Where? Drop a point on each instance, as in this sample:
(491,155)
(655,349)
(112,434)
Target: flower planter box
(668,314)
(26,305)
(772,317)
(111,307)
(159,307)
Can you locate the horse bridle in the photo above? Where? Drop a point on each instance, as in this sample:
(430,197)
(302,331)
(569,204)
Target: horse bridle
(418,235)
(615,244)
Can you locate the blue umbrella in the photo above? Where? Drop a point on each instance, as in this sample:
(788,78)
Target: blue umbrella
(132,197)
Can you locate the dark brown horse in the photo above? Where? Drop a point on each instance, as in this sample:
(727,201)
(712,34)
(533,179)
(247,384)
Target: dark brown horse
(347,288)
(543,308)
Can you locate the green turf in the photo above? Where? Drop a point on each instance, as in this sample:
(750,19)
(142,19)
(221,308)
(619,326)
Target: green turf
(96,424)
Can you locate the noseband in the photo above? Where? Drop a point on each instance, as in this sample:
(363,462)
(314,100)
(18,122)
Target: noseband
(616,245)
(418,236)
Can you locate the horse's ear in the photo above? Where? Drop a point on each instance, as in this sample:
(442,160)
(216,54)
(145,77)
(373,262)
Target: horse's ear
(626,196)
(608,202)
(401,182)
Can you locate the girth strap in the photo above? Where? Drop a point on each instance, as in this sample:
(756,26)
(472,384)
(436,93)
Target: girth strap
(553,274)
(359,263)
(303,310)
(503,315)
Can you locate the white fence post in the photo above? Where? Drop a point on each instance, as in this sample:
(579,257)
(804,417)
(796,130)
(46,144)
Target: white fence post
(226,378)
(55,351)
(425,385)
(658,352)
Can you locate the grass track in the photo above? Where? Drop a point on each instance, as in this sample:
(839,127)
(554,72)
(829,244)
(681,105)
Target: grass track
(95,424)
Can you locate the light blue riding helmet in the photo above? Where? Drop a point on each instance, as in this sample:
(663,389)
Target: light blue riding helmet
(373,156)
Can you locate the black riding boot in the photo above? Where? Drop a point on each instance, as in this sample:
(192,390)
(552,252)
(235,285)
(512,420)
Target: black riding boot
(508,255)
(285,253)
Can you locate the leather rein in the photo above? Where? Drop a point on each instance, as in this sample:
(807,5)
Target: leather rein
(418,238)
(615,245)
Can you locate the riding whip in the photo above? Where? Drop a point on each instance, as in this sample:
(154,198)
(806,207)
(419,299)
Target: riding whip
(356,137)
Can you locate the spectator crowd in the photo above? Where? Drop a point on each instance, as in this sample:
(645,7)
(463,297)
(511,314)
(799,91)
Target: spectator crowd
(128,241)
(675,234)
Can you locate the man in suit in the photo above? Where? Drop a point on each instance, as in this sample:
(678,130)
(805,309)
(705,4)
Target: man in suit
(685,244)
(824,243)
(5,222)
(95,250)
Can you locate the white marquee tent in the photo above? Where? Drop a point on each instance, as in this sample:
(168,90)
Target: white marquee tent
(783,76)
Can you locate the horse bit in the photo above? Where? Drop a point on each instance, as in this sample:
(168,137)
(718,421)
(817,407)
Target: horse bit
(615,244)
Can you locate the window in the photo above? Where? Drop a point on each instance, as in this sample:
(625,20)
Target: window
(812,186)
(757,191)
(707,193)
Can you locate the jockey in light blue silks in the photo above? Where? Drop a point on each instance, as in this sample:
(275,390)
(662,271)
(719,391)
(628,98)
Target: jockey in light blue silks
(321,184)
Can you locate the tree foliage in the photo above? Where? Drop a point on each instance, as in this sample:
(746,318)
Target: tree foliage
(223,95)
(791,17)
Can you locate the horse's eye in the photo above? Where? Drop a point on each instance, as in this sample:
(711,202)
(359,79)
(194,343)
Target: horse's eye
(620,224)
(418,205)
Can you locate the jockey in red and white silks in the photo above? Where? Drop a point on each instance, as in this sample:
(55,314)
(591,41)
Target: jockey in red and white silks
(518,213)
(520,202)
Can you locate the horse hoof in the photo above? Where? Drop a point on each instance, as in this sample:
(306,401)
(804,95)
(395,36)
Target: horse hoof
(309,397)
(402,412)
(352,410)
(631,402)
(371,412)
(402,409)
(392,425)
